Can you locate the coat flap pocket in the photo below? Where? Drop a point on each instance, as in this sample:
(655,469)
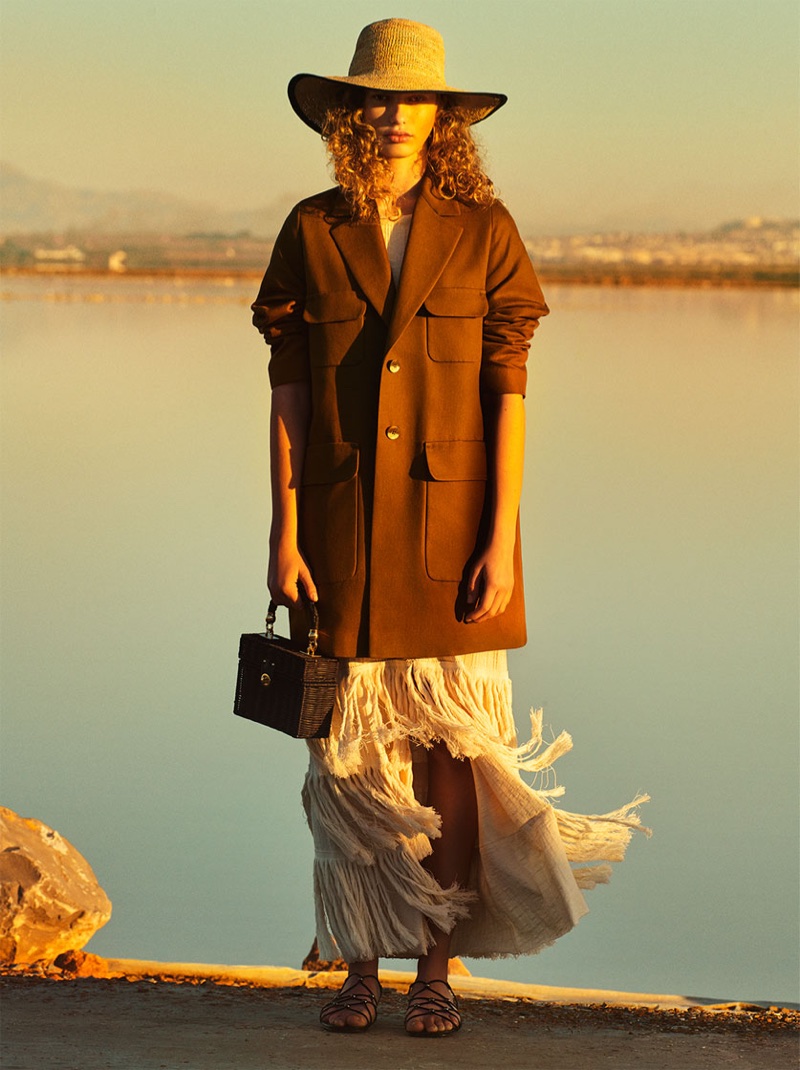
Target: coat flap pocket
(334,307)
(464,459)
(456,301)
(330,462)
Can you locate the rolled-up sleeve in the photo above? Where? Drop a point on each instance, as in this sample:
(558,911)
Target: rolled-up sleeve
(278,309)
(516,304)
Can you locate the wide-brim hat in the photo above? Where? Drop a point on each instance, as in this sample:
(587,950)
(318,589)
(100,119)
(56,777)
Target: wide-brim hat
(396,56)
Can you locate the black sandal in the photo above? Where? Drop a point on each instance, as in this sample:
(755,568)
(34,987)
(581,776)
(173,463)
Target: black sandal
(426,1001)
(347,999)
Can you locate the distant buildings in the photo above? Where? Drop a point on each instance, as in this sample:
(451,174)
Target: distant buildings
(751,243)
(118,262)
(754,251)
(69,254)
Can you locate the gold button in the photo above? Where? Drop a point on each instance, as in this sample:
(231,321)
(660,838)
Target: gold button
(266,679)
(393,367)
(392,432)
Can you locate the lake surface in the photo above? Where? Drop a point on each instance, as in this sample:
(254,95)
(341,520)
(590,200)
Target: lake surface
(660,535)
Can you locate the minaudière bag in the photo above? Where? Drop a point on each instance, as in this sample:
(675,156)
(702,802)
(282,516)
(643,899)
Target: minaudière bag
(284,686)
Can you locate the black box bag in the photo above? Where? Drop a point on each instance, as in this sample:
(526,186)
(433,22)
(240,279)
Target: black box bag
(283,686)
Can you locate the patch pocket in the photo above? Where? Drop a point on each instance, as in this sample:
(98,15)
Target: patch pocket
(454,323)
(329,510)
(335,328)
(455,494)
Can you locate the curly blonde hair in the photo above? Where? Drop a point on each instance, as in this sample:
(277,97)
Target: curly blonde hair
(453,164)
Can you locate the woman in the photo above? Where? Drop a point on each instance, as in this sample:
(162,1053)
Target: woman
(399,307)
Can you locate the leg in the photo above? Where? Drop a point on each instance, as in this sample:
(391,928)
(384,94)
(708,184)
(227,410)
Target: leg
(451,792)
(355,1007)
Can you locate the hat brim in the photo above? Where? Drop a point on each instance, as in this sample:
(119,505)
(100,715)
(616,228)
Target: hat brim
(312,96)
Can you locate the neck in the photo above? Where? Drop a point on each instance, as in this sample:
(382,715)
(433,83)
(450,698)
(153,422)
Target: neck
(406,174)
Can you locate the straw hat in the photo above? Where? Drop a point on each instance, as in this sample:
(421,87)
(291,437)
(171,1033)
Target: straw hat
(395,55)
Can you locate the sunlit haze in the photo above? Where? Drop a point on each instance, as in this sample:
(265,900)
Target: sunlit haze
(650,114)
(659,510)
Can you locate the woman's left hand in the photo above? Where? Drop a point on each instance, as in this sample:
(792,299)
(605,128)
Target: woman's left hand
(490,583)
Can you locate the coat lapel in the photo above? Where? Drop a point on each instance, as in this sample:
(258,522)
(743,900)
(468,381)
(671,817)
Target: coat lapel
(363,250)
(435,232)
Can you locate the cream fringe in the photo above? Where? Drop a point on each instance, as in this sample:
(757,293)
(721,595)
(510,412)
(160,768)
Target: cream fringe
(364,799)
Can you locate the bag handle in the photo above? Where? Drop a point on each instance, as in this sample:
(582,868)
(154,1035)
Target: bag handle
(313,612)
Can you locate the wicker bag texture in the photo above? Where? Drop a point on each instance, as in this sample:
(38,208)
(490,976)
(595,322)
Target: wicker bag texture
(282,685)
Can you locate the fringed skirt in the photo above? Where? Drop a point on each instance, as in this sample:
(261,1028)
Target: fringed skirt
(364,797)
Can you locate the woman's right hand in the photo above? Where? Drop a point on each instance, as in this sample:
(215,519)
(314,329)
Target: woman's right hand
(287,572)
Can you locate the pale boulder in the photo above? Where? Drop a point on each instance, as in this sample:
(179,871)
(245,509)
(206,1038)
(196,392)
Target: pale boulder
(50,900)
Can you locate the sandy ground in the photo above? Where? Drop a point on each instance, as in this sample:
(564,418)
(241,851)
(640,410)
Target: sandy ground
(150,1016)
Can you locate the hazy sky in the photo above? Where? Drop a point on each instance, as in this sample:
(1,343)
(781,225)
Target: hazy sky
(621,112)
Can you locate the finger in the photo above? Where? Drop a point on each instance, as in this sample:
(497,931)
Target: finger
(276,592)
(482,606)
(288,590)
(480,596)
(492,606)
(308,584)
(497,608)
(473,583)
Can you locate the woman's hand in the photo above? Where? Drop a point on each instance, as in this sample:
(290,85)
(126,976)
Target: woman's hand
(490,580)
(490,583)
(287,572)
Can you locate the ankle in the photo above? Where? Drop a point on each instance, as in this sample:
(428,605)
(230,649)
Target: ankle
(367,982)
(433,967)
(364,967)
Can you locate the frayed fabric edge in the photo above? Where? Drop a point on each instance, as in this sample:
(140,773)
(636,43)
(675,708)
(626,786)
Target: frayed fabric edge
(390,905)
(378,844)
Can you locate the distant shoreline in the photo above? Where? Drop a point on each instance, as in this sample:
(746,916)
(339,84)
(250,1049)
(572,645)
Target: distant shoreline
(723,277)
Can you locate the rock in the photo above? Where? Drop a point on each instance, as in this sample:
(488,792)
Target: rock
(314,964)
(456,968)
(79,964)
(50,900)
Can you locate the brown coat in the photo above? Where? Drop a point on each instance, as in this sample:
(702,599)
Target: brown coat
(394,479)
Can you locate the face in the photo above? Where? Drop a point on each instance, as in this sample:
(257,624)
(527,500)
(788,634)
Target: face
(402,121)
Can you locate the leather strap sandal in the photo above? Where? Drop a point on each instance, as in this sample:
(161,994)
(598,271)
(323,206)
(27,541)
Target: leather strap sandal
(354,998)
(424,1000)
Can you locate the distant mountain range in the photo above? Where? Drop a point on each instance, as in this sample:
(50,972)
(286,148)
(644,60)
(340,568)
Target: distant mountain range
(31,205)
(53,213)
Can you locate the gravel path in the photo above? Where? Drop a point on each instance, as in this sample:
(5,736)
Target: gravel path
(93,1024)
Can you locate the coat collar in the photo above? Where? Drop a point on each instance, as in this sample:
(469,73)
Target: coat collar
(435,231)
(363,250)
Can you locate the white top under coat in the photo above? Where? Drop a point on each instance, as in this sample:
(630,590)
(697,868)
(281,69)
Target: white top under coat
(395,234)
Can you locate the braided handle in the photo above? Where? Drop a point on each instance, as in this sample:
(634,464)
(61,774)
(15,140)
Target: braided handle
(313,612)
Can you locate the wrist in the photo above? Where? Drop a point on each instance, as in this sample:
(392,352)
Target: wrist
(502,541)
(282,539)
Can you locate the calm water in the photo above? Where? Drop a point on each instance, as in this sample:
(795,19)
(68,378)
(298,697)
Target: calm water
(660,536)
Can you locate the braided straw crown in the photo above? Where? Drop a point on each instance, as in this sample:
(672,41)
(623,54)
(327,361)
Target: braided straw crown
(396,55)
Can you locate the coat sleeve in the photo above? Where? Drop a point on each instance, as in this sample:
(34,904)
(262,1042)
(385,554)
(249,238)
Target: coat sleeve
(278,309)
(516,304)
